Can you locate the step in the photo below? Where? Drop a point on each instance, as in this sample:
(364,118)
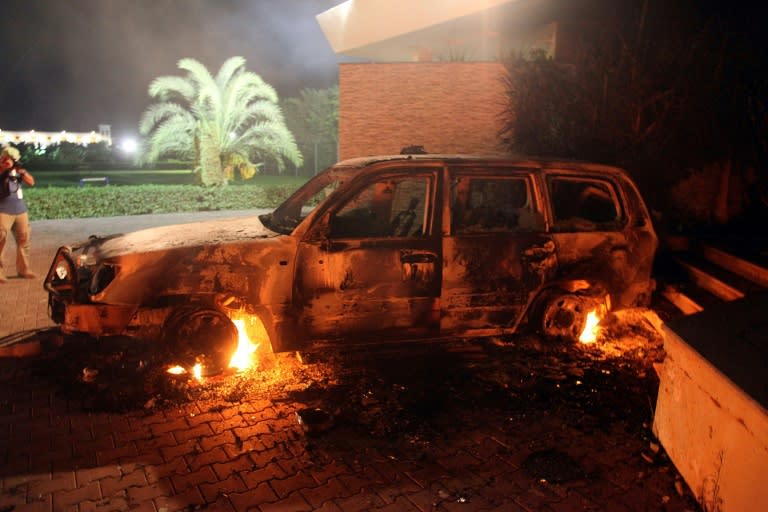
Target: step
(720,282)
(738,265)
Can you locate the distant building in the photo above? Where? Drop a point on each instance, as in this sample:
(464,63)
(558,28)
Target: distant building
(429,73)
(44,139)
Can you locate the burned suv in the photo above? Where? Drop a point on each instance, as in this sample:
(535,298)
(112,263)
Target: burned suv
(371,250)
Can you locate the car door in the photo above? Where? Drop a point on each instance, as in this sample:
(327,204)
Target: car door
(496,250)
(591,230)
(376,260)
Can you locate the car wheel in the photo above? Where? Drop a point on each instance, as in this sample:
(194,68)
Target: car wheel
(201,336)
(563,317)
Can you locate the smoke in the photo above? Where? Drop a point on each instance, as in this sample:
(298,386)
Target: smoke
(74,64)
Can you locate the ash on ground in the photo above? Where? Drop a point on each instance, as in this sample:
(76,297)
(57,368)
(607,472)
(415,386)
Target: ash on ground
(393,391)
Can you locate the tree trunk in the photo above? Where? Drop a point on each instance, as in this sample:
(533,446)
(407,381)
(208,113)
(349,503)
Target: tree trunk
(211,170)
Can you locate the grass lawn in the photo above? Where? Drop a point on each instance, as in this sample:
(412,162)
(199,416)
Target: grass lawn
(147,177)
(58,195)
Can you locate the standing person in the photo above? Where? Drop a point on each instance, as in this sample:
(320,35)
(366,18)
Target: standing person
(13,210)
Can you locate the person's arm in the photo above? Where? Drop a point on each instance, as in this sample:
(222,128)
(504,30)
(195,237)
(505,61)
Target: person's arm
(26,177)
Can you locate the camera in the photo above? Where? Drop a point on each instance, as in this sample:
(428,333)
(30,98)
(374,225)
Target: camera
(13,175)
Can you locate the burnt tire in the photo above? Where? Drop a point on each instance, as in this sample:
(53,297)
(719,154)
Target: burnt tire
(562,317)
(201,335)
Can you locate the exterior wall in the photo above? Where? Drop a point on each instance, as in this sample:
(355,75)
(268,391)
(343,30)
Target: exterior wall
(447,107)
(713,431)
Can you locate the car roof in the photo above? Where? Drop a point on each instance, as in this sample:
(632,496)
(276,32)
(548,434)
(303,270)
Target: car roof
(533,162)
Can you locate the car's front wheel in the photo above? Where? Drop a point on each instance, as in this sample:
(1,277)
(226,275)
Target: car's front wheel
(201,335)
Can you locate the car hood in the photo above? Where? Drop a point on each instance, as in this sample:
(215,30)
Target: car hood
(178,236)
(239,257)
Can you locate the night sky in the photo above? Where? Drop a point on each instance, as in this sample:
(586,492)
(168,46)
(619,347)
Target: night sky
(74,64)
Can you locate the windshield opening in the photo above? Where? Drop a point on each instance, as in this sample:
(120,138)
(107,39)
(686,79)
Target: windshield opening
(304,201)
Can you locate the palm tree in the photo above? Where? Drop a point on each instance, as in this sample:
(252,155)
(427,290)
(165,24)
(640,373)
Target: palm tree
(223,122)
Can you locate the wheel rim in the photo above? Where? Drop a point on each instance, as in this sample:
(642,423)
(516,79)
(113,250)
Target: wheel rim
(564,317)
(202,336)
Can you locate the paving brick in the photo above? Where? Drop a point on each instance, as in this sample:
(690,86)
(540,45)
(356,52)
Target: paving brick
(191,499)
(87,475)
(156,473)
(360,502)
(241,464)
(329,506)
(390,492)
(156,442)
(423,500)
(66,498)
(149,492)
(204,475)
(329,490)
(458,460)
(211,441)
(263,457)
(253,498)
(147,419)
(357,482)
(222,504)
(294,503)
(206,458)
(13,501)
(94,444)
(228,424)
(115,455)
(204,417)
(248,431)
(44,504)
(192,433)
(401,504)
(140,433)
(186,448)
(52,483)
(254,406)
(211,492)
(169,425)
(104,505)
(292,483)
(110,486)
(229,412)
(330,470)
(263,474)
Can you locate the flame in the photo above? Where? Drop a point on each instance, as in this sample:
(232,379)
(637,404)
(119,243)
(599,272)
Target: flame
(591,328)
(197,371)
(243,357)
(177,370)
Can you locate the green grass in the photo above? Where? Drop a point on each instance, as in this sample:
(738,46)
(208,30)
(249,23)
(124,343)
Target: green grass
(58,195)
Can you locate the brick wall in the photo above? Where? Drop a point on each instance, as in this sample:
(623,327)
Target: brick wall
(447,107)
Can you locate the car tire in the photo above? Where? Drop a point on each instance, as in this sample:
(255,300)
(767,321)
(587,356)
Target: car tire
(203,336)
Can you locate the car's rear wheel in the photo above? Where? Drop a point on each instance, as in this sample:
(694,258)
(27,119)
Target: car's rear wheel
(562,316)
(202,336)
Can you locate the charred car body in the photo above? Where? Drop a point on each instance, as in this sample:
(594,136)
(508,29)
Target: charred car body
(380,248)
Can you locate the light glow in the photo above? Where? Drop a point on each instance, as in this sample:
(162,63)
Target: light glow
(176,370)
(591,328)
(243,357)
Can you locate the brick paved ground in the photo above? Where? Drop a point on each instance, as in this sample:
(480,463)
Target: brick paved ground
(448,436)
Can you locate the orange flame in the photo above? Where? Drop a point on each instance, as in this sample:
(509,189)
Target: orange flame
(243,359)
(591,328)
(176,370)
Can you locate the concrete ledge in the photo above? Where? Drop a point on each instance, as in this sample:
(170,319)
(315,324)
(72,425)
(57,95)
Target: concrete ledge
(710,414)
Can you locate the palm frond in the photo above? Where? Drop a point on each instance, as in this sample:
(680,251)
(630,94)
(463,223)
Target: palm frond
(230,68)
(165,88)
(160,111)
